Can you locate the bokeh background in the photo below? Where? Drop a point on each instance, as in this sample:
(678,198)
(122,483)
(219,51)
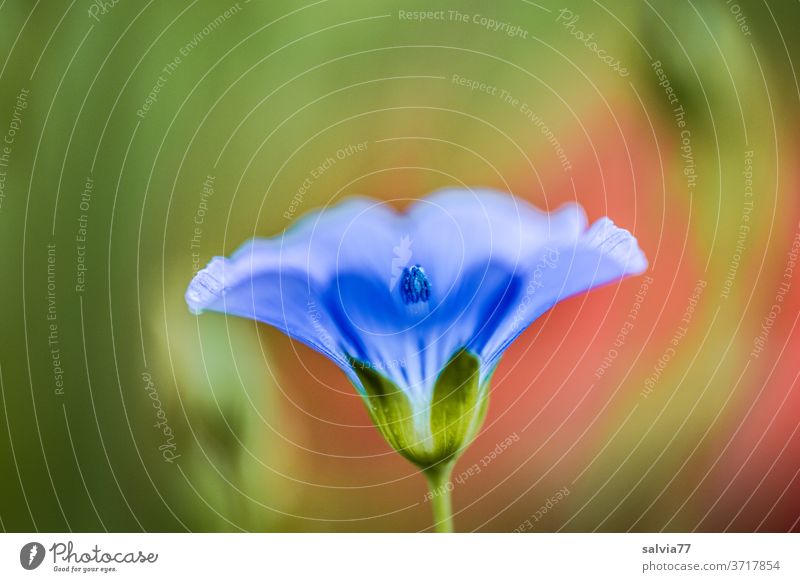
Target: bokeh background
(129,125)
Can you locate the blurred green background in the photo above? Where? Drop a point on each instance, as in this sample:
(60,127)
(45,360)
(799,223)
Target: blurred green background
(147,137)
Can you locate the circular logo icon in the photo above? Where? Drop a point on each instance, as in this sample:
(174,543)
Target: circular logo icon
(31,555)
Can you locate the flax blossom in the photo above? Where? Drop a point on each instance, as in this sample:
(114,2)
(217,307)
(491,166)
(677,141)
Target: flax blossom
(418,307)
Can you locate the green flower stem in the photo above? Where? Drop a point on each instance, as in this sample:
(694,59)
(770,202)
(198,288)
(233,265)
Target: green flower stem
(438,480)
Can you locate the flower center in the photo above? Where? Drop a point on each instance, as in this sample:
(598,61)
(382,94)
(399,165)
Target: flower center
(414,285)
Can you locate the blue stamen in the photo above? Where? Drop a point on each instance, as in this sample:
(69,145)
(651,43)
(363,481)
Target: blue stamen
(414,286)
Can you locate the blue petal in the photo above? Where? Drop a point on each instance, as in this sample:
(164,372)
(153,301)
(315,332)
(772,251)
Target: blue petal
(493,264)
(602,254)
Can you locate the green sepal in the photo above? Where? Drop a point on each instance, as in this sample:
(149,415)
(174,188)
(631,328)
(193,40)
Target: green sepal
(435,432)
(390,409)
(459,404)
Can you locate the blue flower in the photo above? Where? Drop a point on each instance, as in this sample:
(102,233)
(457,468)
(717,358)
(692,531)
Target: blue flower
(418,307)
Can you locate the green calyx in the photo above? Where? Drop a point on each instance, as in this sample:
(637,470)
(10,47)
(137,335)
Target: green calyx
(430,434)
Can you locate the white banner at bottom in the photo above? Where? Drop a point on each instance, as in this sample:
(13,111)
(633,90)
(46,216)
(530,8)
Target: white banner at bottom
(379,557)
